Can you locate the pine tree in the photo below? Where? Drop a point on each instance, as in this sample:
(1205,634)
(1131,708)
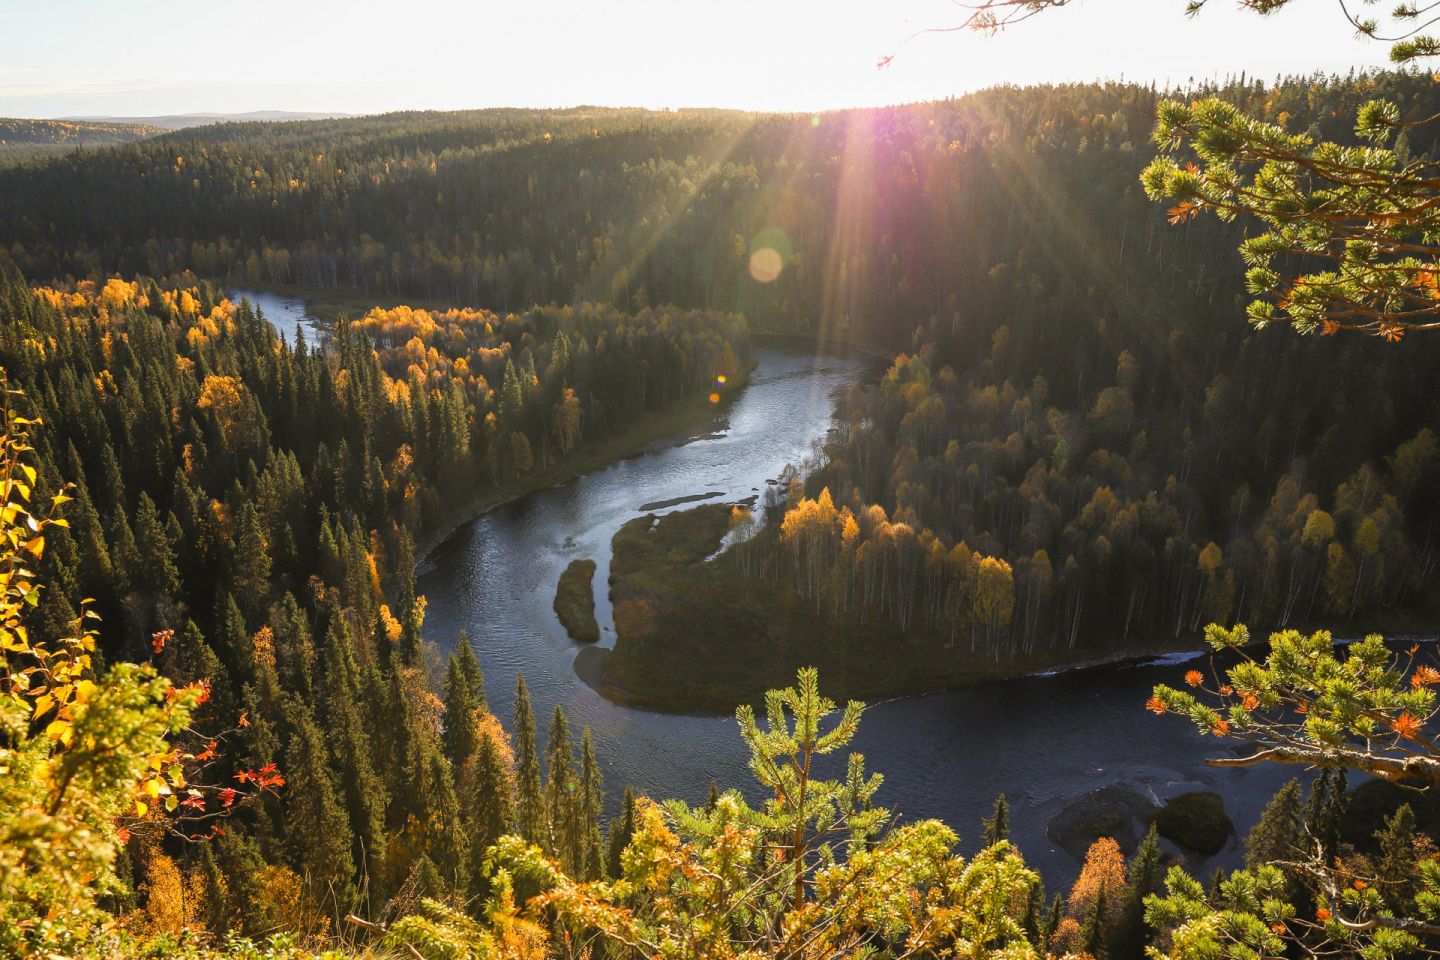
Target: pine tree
(997,826)
(530,819)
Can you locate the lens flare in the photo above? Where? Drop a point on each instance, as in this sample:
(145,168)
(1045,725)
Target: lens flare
(770,250)
(721,379)
(714,398)
(766,264)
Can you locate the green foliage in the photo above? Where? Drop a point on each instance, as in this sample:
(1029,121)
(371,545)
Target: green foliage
(76,745)
(1309,703)
(1366,210)
(813,871)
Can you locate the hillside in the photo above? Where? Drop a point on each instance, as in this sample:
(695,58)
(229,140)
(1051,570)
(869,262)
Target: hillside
(22,139)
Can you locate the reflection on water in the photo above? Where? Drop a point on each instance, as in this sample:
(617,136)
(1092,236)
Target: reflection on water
(1042,740)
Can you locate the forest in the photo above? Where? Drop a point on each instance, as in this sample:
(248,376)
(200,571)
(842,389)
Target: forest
(225,728)
(242,514)
(1070,399)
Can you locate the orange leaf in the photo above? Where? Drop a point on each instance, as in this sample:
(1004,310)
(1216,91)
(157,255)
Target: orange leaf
(1424,677)
(1194,678)
(1406,725)
(1182,211)
(1155,705)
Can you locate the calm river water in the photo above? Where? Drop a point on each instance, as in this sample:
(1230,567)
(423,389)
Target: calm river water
(1042,741)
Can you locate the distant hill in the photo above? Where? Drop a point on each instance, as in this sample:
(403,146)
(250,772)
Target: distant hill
(181,121)
(22,139)
(74,132)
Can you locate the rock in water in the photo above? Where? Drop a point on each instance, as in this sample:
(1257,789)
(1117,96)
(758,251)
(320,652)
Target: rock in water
(1196,821)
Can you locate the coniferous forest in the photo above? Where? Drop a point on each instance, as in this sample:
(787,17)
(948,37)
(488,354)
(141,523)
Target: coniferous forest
(226,728)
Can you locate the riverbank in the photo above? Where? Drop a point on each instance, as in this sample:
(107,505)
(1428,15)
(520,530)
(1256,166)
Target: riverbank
(631,440)
(325,305)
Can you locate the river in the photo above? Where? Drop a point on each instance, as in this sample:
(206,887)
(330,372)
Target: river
(1043,741)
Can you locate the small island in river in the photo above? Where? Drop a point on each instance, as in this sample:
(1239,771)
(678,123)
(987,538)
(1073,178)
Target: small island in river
(575,601)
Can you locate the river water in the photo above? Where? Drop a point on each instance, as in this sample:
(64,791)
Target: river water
(1043,741)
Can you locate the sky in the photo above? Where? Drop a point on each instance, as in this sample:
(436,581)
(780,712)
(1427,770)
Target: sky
(154,57)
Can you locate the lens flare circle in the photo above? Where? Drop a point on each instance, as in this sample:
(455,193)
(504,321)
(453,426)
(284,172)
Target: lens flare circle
(766,264)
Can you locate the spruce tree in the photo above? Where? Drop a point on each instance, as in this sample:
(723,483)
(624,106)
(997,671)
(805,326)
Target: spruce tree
(1143,877)
(250,564)
(622,828)
(1276,836)
(592,799)
(997,826)
(488,804)
(316,825)
(157,574)
(1401,847)
(530,818)
(562,799)
(470,667)
(1092,931)
(1053,917)
(365,798)
(460,714)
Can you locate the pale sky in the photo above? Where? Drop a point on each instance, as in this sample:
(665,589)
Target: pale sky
(150,57)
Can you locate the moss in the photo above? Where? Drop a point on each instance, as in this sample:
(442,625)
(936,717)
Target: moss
(575,601)
(1196,821)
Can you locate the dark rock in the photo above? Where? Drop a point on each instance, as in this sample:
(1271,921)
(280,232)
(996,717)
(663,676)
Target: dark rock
(1196,821)
(1115,811)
